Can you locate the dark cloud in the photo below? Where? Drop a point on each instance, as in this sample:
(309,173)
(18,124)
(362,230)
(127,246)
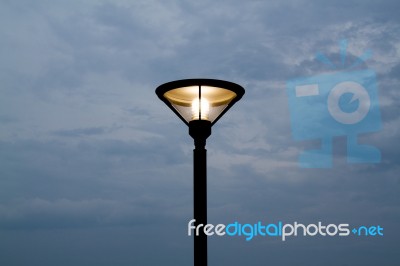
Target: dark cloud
(94,170)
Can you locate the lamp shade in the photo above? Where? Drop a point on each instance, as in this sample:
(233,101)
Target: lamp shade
(200,99)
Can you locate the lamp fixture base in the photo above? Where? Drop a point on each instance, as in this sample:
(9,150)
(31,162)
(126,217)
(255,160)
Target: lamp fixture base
(200,130)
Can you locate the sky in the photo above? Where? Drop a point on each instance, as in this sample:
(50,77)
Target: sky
(96,170)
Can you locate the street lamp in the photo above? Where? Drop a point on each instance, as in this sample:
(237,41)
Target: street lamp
(200,103)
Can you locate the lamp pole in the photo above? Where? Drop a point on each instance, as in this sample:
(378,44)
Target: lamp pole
(200,130)
(199,103)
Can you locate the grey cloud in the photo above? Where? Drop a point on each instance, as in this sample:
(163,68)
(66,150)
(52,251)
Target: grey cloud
(36,213)
(89,156)
(80,132)
(395,72)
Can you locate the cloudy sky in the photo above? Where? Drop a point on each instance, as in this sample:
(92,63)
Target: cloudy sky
(95,170)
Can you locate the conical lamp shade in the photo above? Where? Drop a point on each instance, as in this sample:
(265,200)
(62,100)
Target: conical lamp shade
(200,99)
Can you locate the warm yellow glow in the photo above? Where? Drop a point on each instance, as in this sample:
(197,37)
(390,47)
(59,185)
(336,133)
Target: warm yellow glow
(204,109)
(185,100)
(185,95)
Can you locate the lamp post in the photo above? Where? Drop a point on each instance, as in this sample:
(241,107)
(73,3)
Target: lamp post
(199,103)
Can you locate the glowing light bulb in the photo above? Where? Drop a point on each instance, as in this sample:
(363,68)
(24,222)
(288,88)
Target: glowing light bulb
(203,108)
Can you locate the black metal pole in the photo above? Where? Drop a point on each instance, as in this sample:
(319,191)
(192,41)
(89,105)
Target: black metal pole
(200,130)
(200,204)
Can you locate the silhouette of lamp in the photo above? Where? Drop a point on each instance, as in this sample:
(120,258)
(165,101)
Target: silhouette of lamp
(200,103)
